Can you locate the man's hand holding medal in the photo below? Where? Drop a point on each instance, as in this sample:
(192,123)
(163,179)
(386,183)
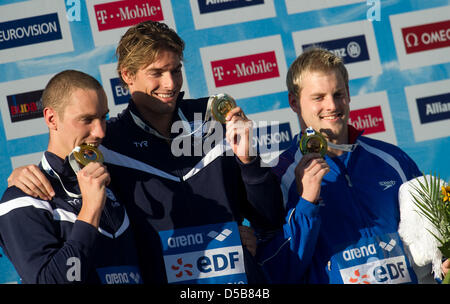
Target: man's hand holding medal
(312,166)
(238,126)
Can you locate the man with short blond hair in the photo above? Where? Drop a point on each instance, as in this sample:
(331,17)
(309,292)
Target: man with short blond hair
(81,234)
(343,210)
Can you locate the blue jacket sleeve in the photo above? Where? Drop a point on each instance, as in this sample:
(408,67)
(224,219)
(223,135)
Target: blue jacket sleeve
(263,192)
(31,239)
(287,255)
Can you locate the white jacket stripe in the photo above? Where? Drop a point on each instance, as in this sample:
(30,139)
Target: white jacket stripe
(214,153)
(289,177)
(386,157)
(118,159)
(25,201)
(58,214)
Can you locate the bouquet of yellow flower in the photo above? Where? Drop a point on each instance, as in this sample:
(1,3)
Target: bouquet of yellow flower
(427,232)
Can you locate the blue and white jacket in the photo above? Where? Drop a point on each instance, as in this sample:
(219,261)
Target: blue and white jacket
(350,236)
(48,245)
(185,209)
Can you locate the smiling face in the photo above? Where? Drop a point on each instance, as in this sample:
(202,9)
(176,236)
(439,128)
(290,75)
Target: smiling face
(323,103)
(155,88)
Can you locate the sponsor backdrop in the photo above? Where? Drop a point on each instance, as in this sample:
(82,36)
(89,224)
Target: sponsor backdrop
(397,53)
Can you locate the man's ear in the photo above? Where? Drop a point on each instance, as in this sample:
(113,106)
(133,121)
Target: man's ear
(127,76)
(294,103)
(51,118)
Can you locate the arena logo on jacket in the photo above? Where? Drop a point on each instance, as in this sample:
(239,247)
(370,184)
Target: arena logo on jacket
(204,254)
(354,42)
(214,13)
(110,19)
(374,260)
(422,38)
(120,275)
(37,29)
(245,68)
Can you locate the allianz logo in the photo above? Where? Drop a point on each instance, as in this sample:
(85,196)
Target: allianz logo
(353,50)
(196,238)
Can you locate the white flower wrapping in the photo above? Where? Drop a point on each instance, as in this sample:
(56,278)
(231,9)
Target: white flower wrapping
(414,229)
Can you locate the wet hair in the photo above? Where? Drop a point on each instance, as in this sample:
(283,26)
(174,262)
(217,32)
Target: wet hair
(142,44)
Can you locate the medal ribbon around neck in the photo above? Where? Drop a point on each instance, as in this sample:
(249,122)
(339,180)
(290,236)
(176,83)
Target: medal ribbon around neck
(311,132)
(47,168)
(343,147)
(208,114)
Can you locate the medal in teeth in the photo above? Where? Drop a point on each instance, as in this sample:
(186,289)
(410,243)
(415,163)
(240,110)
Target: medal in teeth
(87,153)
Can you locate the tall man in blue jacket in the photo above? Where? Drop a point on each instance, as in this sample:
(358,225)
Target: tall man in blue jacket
(343,210)
(185,208)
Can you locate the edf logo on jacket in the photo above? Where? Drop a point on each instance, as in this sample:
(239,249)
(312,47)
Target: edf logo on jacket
(204,254)
(374,260)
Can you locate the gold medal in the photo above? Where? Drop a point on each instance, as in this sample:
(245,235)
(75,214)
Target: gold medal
(313,142)
(221,105)
(87,154)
